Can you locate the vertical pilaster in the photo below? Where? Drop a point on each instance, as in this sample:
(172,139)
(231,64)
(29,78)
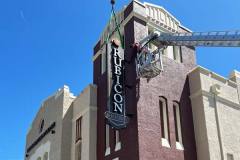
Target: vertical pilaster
(235,77)
(134,30)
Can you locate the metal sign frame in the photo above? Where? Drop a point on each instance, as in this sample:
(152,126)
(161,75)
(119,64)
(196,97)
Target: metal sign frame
(116,110)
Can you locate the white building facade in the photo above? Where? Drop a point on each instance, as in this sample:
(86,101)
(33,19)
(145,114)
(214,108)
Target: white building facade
(64,128)
(67,127)
(216,114)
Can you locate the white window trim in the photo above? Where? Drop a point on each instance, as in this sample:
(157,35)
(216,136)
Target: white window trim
(76,146)
(45,156)
(179,144)
(118,146)
(165,140)
(170,52)
(230,156)
(103,59)
(117,141)
(108,149)
(177,54)
(165,143)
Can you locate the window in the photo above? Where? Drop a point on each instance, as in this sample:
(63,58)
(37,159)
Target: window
(79,129)
(177,53)
(39,158)
(117,141)
(168,52)
(78,147)
(164,52)
(178,130)
(78,151)
(230,156)
(45,157)
(41,126)
(173,52)
(164,121)
(103,59)
(107,147)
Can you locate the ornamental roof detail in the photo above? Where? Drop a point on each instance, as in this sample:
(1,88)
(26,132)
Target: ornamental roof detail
(155,16)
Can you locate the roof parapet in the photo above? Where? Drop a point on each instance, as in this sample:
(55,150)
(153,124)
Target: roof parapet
(214,75)
(235,76)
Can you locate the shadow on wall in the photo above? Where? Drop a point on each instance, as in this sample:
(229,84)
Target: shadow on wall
(188,134)
(42,152)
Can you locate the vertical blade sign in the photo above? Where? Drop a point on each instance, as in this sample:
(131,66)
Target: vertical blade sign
(116,105)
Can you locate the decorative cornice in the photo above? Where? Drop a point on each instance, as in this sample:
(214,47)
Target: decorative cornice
(218,98)
(151,20)
(160,7)
(213,75)
(47,131)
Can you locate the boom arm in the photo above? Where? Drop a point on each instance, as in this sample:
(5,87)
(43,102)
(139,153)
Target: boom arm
(149,64)
(204,39)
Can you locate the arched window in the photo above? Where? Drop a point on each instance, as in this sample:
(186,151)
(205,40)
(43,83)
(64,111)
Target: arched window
(78,146)
(78,129)
(107,140)
(164,121)
(178,127)
(41,125)
(45,157)
(117,140)
(177,53)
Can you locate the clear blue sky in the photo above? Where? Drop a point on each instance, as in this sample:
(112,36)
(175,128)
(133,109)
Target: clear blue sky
(45,44)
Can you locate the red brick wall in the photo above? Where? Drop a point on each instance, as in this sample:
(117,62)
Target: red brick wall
(141,140)
(173,85)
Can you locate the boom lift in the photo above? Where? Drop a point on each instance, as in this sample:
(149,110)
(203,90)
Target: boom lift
(149,63)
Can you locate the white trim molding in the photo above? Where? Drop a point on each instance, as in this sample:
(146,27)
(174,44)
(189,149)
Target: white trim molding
(165,143)
(220,99)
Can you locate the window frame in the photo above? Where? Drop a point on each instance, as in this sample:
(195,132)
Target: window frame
(103,59)
(78,150)
(117,140)
(107,139)
(177,53)
(78,129)
(41,125)
(230,156)
(164,121)
(178,125)
(45,156)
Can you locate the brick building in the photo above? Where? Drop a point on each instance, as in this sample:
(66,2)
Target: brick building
(170,117)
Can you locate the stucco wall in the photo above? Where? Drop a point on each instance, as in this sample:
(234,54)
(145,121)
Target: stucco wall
(142,137)
(51,111)
(85,106)
(64,109)
(216,114)
(173,85)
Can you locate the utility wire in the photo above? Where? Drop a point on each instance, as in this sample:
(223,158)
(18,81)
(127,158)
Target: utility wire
(117,25)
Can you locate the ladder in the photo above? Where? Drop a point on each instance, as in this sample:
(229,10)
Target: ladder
(149,64)
(204,39)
